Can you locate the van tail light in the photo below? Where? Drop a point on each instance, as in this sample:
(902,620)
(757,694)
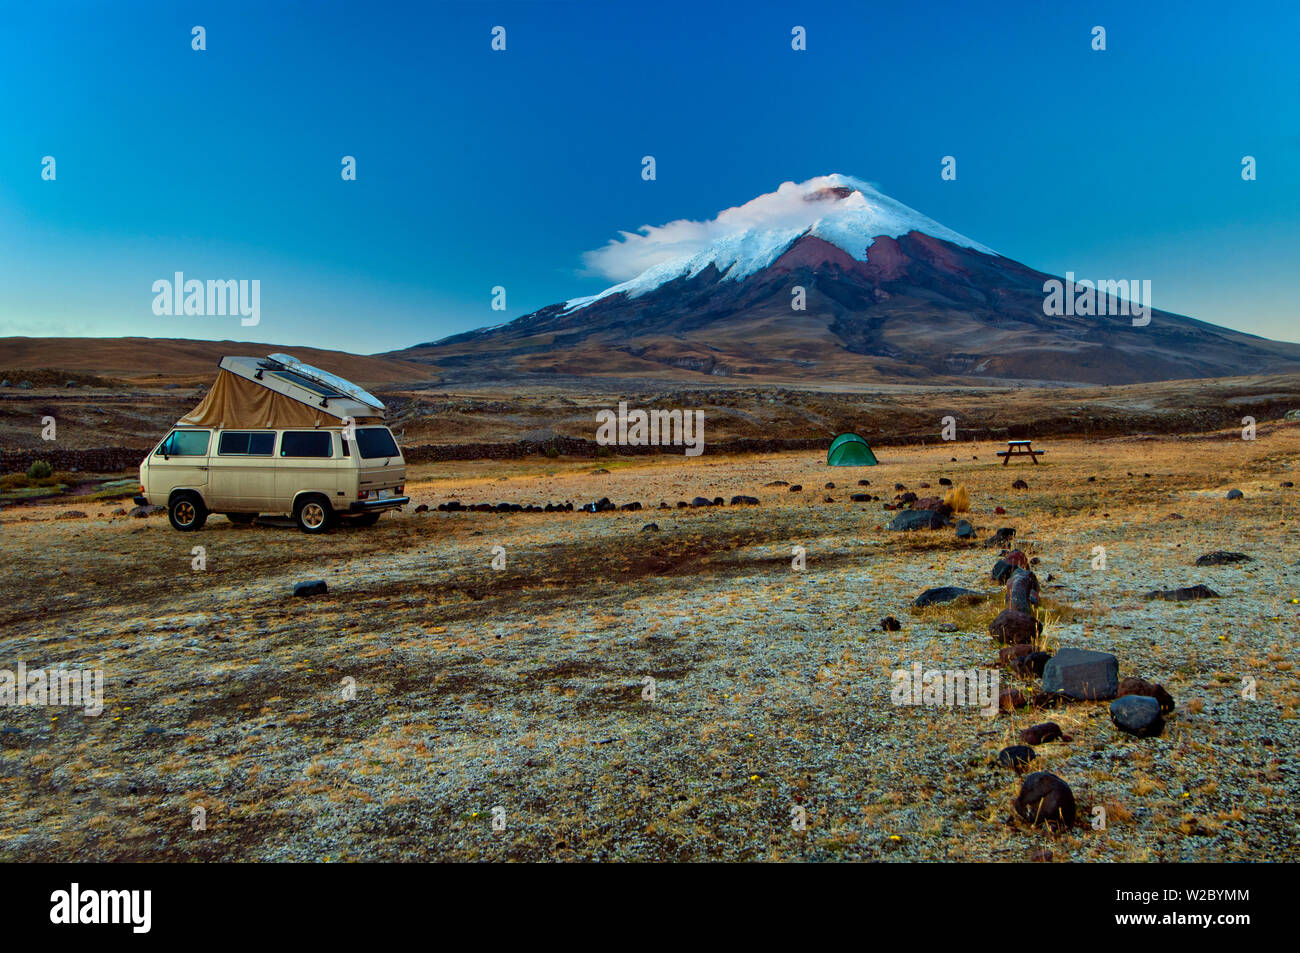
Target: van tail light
(363,494)
(142,489)
(401,489)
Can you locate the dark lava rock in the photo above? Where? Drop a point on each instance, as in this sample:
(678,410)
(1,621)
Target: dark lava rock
(422,508)
(631,507)
(1002,570)
(1185,594)
(1045,799)
(965,530)
(744,501)
(148,509)
(999,510)
(701,501)
(1011,698)
(1022,591)
(941,594)
(71,515)
(778,483)
(944,481)
(1286,484)
(1082,673)
(918,519)
(1140,686)
(890,624)
(1009,654)
(899,486)
(1001,538)
(1220,558)
(864,483)
(682,504)
(1016,756)
(860,497)
(650,528)
(1031,663)
(1236,495)
(908,497)
(1020,485)
(314,587)
(1012,627)
(830,486)
(1042,734)
(796,488)
(1138,715)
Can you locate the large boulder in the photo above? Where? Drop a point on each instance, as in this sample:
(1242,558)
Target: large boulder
(1138,715)
(1045,799)
(1220,558)
(1082,673)
(917,519)
(942,594)
(1016,757)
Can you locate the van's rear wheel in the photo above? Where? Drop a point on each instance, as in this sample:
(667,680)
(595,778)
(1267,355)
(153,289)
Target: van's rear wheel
(187,512)
(313,514)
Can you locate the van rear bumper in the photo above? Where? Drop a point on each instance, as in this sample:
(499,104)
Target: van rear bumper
(378,506)
(140,500)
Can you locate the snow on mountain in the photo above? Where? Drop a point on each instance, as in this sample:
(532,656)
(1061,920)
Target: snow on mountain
(740,241)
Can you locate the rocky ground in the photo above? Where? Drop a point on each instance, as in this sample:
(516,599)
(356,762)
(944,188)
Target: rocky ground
(427,693)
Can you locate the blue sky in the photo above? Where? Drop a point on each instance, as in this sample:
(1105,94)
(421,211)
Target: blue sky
(479,168)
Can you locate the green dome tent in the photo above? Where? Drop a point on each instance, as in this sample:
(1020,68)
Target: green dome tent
(849,450)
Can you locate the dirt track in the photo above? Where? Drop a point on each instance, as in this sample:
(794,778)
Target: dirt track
(522,688)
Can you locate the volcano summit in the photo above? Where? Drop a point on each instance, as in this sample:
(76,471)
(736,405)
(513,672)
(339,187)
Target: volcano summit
(831,280)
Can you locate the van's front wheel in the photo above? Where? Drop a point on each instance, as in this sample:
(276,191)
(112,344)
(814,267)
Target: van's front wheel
(187,512)
(313,514)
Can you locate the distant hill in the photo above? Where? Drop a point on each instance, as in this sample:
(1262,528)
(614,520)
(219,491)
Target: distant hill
(175,357)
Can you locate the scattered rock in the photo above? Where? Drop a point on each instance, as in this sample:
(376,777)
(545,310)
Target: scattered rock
(1031,663)
(1045,799)
(965,530)
(650,528)
(943,594)
(1009,654)
(1185,594)
(796,488)
(1016,756)
(1082,674)
(701,501)
(861,497)
(1022,591)
(1013,627)
(1003,536)
(744,501)
(1236,495)
(1041,734)
(830,486)
(777,483)
(917,519)
(1002,570)
(314,587)
(1010,699)
(890,624)
(148,509)
(1000,511)
(1020,485)
(71,515)
(1132,685)
(864,483)
(1138,715)
(1221,558)
(947,627)
(422,508)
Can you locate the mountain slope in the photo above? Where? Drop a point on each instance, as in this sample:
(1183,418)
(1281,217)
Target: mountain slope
(889,295)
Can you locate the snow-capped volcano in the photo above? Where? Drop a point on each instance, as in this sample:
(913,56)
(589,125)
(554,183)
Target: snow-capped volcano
(839,209)
(830,279)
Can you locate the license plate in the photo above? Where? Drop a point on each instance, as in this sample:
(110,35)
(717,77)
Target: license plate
(381,494)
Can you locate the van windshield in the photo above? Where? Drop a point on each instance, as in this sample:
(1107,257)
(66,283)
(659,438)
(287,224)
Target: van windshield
(373,442)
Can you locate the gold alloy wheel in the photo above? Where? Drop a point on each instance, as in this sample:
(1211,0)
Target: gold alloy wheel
(313,515)
(185,512)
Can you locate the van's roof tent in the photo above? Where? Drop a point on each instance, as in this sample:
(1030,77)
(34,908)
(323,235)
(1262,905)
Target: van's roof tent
(280,391)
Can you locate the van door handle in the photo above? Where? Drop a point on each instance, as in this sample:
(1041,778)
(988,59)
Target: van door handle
(202,468)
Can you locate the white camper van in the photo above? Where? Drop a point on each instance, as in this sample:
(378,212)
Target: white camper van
(276,436)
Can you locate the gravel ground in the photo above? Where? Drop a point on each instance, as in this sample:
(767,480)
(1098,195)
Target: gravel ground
(518,693)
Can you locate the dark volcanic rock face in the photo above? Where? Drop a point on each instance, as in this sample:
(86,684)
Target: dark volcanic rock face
(918,308)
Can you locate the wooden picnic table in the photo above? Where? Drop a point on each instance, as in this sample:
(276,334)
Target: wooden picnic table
(1019,448)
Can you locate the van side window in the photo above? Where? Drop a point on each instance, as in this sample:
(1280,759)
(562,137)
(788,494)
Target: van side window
(242,442)
(185,443)
(306,443)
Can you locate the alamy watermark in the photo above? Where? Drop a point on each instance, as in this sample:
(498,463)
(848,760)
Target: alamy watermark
(68,688)
(181,297)
(651,428)
(1086,298)
(946,688)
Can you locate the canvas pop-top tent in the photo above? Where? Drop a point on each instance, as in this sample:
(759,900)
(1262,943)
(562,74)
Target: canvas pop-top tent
(280,392)
(850,450)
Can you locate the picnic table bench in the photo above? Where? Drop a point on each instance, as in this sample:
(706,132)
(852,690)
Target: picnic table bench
(1019,448)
